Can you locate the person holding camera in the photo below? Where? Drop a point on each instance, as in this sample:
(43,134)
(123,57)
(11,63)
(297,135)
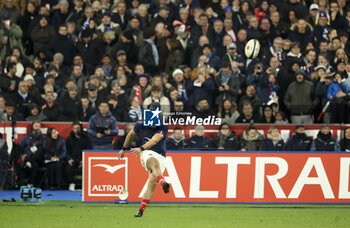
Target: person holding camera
(103,127)
(30,159)
(253,78)
(338,92)
(10,36)
(227,84)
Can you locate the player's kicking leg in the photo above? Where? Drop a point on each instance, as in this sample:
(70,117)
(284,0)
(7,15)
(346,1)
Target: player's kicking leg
(155,177)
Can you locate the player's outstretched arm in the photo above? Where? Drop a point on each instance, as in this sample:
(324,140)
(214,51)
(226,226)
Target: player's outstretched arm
(154,140)
(128,141)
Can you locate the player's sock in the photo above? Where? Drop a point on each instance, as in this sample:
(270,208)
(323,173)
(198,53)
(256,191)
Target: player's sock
(160,180)
(143,205)
(165,185)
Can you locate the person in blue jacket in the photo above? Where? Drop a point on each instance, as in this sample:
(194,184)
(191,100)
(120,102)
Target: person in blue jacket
(30,158)
(274,141)
(199,141)
(299,140)
(103,127)
(176,141)
(325,141)
(54,155)
(338,91)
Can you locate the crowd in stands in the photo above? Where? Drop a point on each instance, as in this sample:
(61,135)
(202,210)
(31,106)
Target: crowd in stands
(105,61)
(60,58)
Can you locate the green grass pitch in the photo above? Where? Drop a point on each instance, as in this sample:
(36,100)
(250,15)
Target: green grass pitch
(76,214)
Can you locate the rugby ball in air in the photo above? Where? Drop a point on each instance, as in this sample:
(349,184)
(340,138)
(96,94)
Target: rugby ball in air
(252,49)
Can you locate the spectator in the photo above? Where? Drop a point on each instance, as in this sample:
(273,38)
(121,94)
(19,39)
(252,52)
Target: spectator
(337,21)
(281,118)
(178,106)
(212,60)
(148,53)
(32,88)
(53,78)
(321,92)
(93,95)
(228,84)
(252,98)
(50,108)
(180,84)
(197,52)
(253,31)
(98,81)
(11,11)
(247,115)
(345,142)
(35,113)
(90,49)
(273,141)
(120,113)
(202,109)
(175,56)
(199,141)
(128,45)
(162,17)
(218,33)
(203,28)
(301,32)
(268,116)
(202,87)
(22,98)
(135,110)
(325,141)
(61,44)
(293,56)
(61,16)
(299,99)
(309,61)
(8,81)
(77,141)
(232,55)
(108,25)
(78,77)
(226,140)
(41,34)
(299,140)
(251,140)
(10,35)
(176,141)
(321,26)
(2,109)
(268,88)
(228,112)
(69,104)
(121,139)
(277,25)
(54,155)
(143,17)
(122,16)
(85,109)
(337,91)
(102,128)
(281,76)
(31,156)
(157,96)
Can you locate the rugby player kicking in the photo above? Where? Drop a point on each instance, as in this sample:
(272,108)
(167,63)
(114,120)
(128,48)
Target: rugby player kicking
(152,156)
